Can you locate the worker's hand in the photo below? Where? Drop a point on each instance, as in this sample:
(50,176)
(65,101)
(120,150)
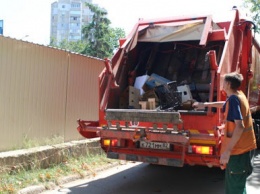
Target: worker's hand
(224,158)
(254,109)
(198,105)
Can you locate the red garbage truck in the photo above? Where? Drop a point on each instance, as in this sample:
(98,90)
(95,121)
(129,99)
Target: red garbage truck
(147,89)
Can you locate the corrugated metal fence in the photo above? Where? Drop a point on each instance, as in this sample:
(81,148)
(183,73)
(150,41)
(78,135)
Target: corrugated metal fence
(43,91)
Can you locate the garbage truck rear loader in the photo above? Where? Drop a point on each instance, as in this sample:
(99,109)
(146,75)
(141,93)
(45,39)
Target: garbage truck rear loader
(159,70)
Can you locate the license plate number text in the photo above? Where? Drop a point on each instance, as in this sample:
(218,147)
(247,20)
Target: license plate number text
(155,145)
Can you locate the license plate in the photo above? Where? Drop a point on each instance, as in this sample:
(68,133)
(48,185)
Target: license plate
(155,145)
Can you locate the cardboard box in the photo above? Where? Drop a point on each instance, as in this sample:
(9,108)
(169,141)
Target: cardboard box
(130,98)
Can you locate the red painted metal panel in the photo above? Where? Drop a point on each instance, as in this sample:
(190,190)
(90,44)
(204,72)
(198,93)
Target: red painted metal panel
(206,31)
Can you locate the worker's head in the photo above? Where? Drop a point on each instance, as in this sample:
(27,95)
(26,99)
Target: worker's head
(232,80)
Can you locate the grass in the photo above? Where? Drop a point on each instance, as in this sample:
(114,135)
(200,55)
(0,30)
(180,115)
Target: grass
(17,179)
(36,142)
(14,181)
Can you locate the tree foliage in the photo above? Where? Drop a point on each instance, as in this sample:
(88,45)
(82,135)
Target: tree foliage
(254,7)
(73,46)
(101,39)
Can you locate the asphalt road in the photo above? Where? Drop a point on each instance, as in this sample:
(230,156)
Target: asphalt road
(139,178)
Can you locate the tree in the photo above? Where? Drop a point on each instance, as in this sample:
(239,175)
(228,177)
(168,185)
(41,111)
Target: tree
(73,46)
(254,7)
(101,39)
(116,34)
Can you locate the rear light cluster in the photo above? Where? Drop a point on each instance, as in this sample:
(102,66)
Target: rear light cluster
(198,149)
(110,142)
(113,142)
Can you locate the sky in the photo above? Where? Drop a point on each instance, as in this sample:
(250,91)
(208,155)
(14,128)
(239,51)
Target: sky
(29,20)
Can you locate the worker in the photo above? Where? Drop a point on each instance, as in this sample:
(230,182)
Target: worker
(239,138)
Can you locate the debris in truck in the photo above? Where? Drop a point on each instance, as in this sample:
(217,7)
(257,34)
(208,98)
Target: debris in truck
(154,80)
(151,103)
(150,94)
(143,104)
(140,81)
(168,95)
(185,93)
(130,98)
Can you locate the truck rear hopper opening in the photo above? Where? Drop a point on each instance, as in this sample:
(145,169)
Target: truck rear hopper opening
(185,62)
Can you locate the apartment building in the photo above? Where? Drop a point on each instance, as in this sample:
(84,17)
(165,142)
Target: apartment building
(67,19)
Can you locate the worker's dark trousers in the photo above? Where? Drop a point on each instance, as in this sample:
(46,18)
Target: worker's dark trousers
(238,169)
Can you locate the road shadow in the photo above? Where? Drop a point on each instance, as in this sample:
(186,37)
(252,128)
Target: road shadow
(153,179)
(254,179)
(148,179)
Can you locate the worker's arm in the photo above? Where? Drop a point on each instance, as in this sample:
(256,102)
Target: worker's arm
(255,109)
(202,105)
(235,137)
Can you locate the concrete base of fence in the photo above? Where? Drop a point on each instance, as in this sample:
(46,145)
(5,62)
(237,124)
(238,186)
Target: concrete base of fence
(44,156)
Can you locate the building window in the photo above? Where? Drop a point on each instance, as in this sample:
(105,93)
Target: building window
(74,18)
(75,5)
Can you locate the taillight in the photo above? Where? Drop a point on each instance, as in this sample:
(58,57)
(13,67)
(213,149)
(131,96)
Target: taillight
(110,142)
(106,142)
(208,150)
